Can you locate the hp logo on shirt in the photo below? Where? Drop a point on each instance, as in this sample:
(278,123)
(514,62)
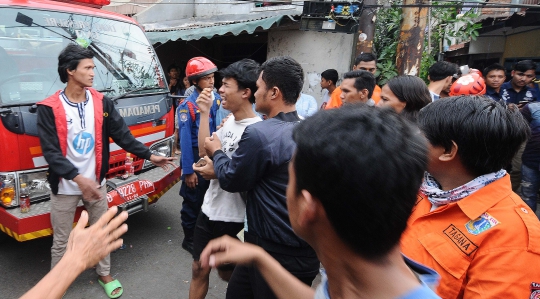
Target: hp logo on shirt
(83,143)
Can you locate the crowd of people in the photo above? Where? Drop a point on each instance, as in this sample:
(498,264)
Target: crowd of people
(394,192)
(465,156)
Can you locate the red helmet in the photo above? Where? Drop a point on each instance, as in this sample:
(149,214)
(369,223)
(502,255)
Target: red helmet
(470,84)
(198,67)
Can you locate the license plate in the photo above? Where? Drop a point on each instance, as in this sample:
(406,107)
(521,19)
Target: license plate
(130,191)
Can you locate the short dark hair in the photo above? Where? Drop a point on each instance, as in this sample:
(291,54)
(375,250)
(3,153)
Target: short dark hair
(494,67)
(524,65)
(366,57)
(286,74)
(363,80)
(369,196)
(413,92)
(330,75)
(69,59)
(488,134)
(172,66)
(245,72)
(442,69)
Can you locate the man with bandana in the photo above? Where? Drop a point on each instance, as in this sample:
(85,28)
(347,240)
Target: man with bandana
(467,223)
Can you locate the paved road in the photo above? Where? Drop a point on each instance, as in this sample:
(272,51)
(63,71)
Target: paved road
(153,264)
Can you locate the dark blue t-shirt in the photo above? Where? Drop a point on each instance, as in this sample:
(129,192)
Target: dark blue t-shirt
(510,95)
(493,94)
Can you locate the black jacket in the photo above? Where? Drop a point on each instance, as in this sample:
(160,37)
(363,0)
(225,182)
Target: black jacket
(260,167)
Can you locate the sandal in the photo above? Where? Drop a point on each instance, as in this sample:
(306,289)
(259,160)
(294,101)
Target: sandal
(110,287)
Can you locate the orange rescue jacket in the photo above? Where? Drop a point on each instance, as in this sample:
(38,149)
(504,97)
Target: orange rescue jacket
(486,245)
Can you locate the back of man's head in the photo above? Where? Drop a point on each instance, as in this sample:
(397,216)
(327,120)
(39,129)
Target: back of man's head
(365,166)
(440,70)
(362,80)
(365,57)
(286,74)
(493,67)
(524,65)
(330,75)
(69,59)
(246,73)
(487,134)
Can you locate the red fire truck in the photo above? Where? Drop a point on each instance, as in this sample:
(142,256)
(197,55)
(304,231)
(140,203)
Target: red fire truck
(32,34)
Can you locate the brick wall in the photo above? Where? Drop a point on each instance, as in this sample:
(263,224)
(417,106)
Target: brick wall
(497,11)
(506,11)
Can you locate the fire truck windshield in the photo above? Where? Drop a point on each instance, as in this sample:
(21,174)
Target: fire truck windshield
(30,41)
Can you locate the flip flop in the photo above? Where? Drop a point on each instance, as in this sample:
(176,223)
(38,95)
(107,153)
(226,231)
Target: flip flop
(110,287)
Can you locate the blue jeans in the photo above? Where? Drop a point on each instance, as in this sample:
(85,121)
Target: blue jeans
(530,182)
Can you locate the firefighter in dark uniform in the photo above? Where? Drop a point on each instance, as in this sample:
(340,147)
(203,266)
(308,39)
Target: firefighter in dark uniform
(200,72)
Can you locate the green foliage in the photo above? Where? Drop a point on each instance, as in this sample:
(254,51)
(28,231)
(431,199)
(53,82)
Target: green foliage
(448,24)
(386,40)
(451,22)
(427,61)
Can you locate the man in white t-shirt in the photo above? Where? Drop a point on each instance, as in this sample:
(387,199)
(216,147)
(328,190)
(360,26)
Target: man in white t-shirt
(74,127)
(222,212)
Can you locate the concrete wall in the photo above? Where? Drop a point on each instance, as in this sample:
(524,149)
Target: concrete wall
(525,44)
(131,7)
(203,8)
(315,51)
(173,10)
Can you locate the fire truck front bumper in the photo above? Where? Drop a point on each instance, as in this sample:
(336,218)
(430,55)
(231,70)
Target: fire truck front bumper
(132,195)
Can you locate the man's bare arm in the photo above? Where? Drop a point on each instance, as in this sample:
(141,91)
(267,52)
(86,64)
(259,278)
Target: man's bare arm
(85,248)
(228,250)
(204,102)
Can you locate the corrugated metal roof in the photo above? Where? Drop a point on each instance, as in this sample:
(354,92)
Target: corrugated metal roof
(209,27)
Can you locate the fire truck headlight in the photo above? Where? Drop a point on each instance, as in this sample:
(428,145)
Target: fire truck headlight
(161,151)
(160,148)
(8,189)
(39,187)
(37,183)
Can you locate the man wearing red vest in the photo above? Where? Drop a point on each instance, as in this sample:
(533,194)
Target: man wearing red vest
(74,127)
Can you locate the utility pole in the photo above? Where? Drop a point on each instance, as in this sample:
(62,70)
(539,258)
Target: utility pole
(411,38)
(366,29)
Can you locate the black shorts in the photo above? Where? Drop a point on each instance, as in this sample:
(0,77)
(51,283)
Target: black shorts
(248,283)
(206,230)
